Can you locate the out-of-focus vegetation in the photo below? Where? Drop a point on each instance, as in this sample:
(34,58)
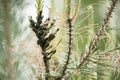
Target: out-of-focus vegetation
(21,58)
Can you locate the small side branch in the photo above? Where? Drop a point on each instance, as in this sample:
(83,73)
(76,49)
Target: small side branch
(96,39)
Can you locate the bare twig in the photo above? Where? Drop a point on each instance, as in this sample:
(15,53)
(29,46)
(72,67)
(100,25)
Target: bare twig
(96,39)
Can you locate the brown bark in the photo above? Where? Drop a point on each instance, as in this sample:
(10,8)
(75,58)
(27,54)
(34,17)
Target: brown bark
(7,24)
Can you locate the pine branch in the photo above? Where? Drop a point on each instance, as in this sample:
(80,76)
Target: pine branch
(96,39)
(42,31)
(69,21)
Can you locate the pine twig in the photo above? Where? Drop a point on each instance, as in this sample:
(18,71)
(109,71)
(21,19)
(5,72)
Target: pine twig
(42,30)
(69,21)
(96,39)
